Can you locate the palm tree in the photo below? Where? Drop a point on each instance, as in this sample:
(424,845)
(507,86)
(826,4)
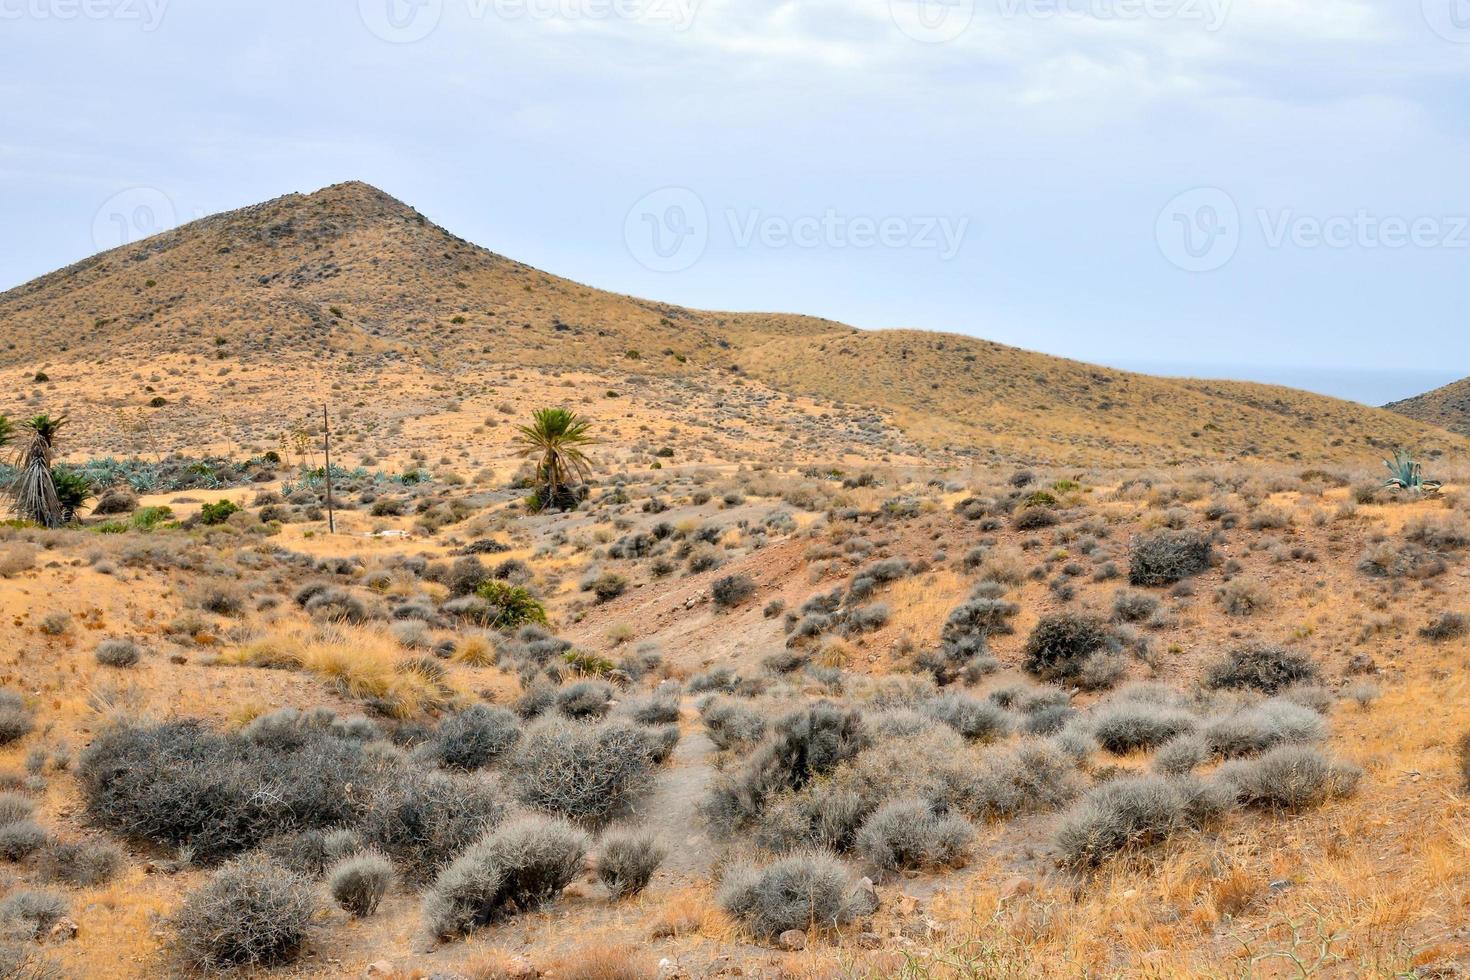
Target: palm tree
(557,436)
(34,489)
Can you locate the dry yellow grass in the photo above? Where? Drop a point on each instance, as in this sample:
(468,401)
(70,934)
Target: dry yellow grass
(362,663)
(606,961)
(920,604)
(689,911)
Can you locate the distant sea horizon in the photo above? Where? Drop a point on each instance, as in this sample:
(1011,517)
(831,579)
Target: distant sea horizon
(1369,386)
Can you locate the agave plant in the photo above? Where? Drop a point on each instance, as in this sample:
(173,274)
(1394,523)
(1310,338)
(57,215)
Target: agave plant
(33,491)
(1407,475)
(557,437)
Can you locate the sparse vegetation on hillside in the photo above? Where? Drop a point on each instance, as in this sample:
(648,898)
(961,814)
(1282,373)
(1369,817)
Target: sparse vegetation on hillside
(779,649)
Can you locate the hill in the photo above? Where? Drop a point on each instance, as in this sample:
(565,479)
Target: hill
(1447,407)
(244,320)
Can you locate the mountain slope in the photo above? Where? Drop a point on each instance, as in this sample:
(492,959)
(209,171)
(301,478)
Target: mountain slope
(350,290)
(1447,407)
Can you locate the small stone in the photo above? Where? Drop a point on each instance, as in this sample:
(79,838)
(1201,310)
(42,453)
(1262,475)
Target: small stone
(1017,887)
(378,969)
(520,968)
(792,940)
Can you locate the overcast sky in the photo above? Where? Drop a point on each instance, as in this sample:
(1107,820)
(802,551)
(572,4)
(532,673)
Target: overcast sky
(1256,183)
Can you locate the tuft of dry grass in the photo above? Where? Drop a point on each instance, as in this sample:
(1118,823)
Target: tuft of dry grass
(364,663)
(920,604)
(491,964)
(689,912)
(601,962)
(475,650)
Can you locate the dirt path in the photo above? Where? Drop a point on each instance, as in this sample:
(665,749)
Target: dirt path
(672,812)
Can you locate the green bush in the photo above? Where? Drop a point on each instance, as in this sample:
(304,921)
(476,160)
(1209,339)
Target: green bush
(149,518)
(732,590)
(511,606)
(218,513)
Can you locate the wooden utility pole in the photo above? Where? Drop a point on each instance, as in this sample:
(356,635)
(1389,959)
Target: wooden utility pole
(327,442)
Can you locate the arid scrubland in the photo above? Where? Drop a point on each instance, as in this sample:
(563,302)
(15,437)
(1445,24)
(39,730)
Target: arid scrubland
(894,721)
(860,654)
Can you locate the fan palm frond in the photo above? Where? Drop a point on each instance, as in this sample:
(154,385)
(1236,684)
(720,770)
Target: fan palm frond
(557,437)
